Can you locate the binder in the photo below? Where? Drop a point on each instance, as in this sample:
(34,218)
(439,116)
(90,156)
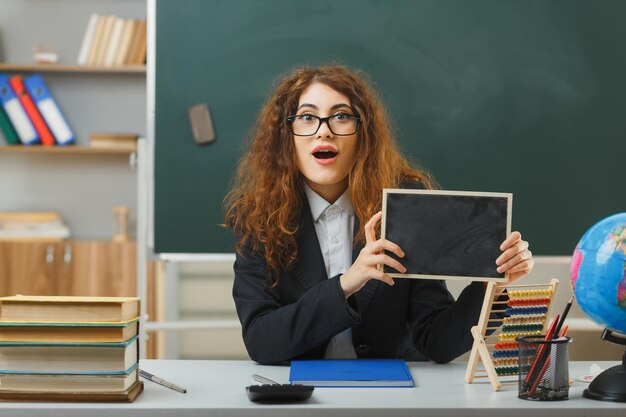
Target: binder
(29,105)
(7,129)
(351,373)
(49,109)
(16,113)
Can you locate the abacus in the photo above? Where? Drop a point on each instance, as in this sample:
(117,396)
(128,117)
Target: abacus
(521,310)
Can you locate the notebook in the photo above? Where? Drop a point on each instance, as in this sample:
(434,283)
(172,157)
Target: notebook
(351,373)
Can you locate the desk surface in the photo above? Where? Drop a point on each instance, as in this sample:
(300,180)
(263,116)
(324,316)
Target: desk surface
(218,388)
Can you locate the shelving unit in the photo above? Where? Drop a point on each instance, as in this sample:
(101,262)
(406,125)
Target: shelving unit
(81,182)
(78,181)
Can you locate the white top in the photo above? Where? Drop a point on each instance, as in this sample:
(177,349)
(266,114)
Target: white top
(334,225)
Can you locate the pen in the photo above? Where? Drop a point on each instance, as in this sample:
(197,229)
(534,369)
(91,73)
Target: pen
(161,381)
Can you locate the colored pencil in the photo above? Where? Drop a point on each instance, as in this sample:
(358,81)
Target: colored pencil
(540,357)
(564,315)
(543,370)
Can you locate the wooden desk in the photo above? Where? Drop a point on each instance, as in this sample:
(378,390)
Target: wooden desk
(217,388)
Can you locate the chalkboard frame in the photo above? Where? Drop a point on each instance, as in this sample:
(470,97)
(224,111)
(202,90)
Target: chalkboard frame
(415,196)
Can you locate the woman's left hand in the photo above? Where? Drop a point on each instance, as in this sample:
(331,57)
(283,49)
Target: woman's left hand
(516,259)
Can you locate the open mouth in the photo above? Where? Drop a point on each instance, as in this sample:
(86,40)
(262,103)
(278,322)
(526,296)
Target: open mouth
(324,154)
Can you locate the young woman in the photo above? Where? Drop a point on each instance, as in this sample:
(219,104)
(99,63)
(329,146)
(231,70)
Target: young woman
(305,212)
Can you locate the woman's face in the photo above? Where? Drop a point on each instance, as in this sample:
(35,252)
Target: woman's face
(325,158)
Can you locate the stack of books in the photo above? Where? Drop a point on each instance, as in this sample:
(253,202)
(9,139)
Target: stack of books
(29,114)
(69,348)
(111,41)
(40,226)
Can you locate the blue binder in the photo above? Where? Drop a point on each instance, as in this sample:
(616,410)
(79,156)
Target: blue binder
(16,113)
(351,373)
(50,110)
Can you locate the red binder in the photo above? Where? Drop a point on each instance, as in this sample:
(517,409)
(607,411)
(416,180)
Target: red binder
(31,109)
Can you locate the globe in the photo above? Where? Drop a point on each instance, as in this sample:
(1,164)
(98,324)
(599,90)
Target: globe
(598,272)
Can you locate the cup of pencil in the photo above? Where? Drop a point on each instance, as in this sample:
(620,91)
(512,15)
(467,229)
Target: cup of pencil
(543,368)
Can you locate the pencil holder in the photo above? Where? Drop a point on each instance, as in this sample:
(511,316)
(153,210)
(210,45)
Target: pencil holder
(543,368)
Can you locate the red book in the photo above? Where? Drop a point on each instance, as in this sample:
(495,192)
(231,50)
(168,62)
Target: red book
(31,109)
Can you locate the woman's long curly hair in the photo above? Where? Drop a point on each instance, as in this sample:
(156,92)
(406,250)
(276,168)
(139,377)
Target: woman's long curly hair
(264,207)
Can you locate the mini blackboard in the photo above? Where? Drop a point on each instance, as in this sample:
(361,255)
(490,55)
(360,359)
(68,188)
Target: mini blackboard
(447,234)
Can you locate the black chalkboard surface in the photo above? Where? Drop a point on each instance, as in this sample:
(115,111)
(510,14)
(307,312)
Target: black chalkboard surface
(447,234)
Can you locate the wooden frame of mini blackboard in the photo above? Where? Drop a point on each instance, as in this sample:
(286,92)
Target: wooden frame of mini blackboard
(495,199)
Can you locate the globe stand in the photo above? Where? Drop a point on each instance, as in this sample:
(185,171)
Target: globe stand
(610,385)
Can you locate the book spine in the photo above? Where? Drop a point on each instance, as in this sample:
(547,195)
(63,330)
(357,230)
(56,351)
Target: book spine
(125,41)
(114,43)
(97,39)
(49,109)
(88,40)
(31,109)
(7,129)
(134,42)
(103,46)
(140,55)
(16,113)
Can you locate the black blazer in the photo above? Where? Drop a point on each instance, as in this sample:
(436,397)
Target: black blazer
(415,319)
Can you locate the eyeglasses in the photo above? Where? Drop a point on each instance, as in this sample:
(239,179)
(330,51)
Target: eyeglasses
(341,124)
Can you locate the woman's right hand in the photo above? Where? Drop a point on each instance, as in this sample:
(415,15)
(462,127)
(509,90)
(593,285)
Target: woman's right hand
(365,267)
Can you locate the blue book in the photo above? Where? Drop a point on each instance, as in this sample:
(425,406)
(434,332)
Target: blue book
(50,110)
(351,373)
(16,113)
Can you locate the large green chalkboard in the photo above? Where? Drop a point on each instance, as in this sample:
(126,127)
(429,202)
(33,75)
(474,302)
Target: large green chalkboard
(520,96)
